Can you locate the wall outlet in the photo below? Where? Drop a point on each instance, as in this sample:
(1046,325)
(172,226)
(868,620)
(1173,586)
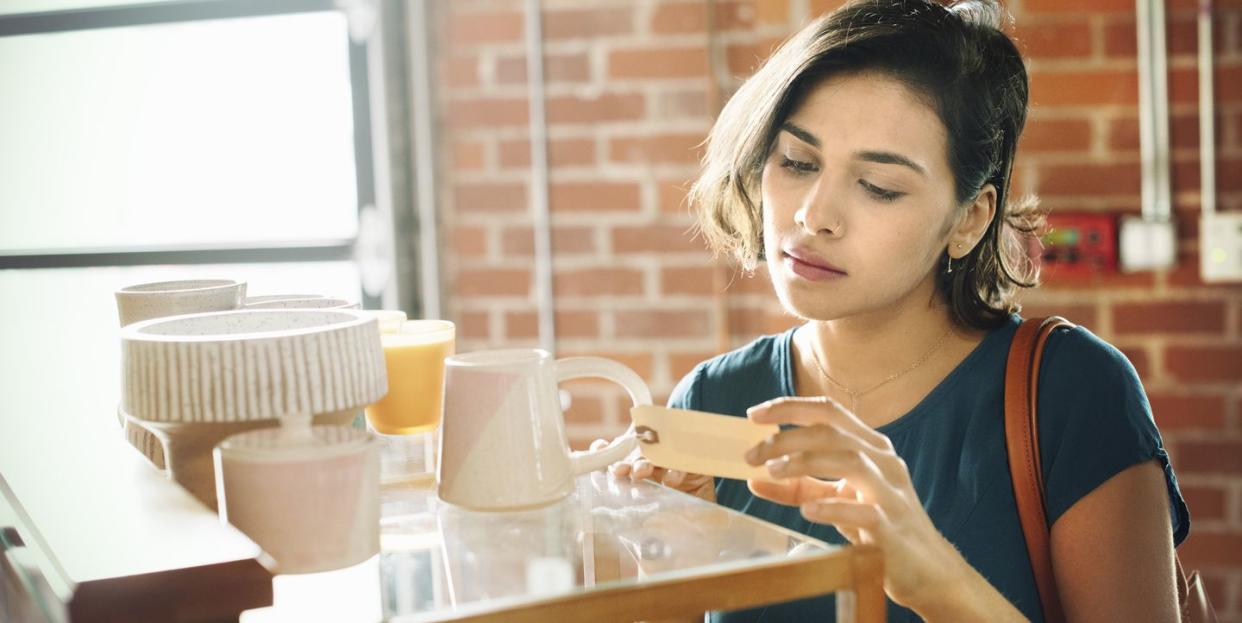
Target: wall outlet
(1220,247)
(1147,244)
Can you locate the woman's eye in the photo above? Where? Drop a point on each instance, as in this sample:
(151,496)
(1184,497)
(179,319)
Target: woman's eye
(798,166)
(880,193)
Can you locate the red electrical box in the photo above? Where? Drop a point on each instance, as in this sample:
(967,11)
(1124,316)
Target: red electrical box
(1079,244)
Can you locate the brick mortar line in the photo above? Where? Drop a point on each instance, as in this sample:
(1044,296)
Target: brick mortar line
(636,41)
(1080,64)
(1199,436)
(588,262)
(618,172)
(586,90)
(1154,348)
(641,127)
(495,326)
(1192,294)
(1190,392)
(1172,340)
(1077,112)
(1104,316)
(615,171)
(1099,129)
(621,344)
(1233,309)
(603,304)
(522,133)
(1088,203)
(799,13)
(603,218)
(1233,413)
(1233,504)
(1080,158)
(1097,26)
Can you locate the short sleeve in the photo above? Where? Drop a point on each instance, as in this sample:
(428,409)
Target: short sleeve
(1094,422)
(685,394)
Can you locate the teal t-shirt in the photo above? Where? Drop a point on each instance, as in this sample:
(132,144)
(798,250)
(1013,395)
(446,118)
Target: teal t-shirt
(1094,421)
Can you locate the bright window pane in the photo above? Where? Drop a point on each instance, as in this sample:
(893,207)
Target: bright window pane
(219,131)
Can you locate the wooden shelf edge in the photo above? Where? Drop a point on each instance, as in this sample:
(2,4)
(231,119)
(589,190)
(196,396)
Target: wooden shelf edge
(191,595)
(785,580)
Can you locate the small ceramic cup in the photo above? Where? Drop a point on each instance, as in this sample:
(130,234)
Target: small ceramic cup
(304,303)
(173,298)
(389,320)
(309,498)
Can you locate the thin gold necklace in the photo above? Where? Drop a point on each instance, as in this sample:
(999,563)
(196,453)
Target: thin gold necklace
(855,395)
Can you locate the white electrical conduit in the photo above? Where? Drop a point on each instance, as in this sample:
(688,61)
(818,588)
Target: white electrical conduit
(539,176)
(424,141)
(1153,110)
(1207,122)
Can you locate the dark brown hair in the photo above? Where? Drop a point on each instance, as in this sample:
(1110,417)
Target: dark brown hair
(970,74)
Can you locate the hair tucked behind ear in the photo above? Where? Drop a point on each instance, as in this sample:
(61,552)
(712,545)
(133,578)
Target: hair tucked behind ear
(971,75)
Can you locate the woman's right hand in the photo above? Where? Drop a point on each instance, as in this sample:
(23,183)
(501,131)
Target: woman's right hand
(636,467)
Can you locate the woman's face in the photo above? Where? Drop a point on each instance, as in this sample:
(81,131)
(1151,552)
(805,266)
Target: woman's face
(858,200)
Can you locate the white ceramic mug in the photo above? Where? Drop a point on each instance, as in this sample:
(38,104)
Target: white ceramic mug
(502,442)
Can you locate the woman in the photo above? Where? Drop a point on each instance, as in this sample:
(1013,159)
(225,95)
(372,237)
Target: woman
(868,164)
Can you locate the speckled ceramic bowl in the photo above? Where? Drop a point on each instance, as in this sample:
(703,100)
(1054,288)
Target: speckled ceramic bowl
(173,298)
(250,365)
(194,380)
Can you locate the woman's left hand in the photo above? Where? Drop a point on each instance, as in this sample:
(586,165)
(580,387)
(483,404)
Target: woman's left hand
(842,472)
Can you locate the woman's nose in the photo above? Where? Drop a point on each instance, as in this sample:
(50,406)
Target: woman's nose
(819,212)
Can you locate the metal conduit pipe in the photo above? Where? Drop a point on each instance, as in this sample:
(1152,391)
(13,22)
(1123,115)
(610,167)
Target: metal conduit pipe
(1150,242)
(539,176)
(1153,110)
(423,111)
(1207,121)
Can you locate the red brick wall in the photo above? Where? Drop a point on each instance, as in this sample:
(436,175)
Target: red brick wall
(629,88)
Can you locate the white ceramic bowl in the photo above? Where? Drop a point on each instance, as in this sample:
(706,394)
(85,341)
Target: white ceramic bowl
(251,365)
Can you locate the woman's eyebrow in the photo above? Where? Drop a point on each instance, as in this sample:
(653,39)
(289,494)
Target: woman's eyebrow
(888,157)
(880,157)
(801,133)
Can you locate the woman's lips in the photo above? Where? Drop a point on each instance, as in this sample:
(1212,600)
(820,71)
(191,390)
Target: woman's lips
(811,268)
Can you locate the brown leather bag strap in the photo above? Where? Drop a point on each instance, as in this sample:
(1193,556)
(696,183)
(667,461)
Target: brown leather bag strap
(1022,444)
(1025,469)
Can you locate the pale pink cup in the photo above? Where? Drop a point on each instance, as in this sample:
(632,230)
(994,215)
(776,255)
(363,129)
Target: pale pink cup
(309,498)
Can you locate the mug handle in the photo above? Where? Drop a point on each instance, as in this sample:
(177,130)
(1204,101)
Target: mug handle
(597,367)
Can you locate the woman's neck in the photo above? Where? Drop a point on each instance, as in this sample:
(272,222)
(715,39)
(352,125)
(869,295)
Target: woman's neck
(863,350)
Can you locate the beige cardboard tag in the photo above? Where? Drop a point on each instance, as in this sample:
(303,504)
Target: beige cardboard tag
(700,443)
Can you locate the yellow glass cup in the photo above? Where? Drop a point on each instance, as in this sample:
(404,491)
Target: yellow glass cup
(414,355)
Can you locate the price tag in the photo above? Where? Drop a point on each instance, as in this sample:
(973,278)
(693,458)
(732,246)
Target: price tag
(697,442)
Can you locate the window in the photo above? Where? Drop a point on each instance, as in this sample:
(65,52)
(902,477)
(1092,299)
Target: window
(169,140)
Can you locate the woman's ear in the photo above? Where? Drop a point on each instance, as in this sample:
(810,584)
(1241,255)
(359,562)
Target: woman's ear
(974,222)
